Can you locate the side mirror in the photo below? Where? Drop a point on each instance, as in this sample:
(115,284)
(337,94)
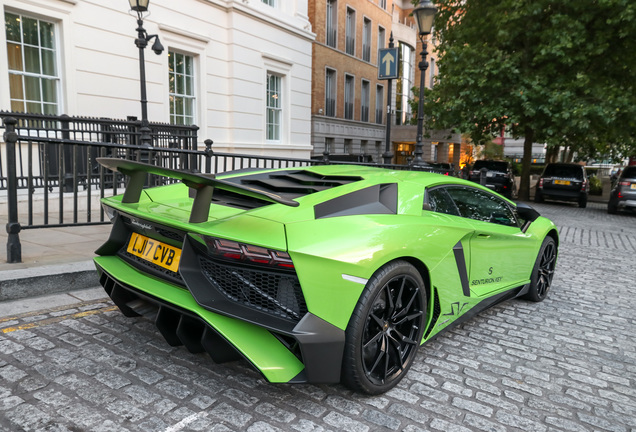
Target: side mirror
(528,214)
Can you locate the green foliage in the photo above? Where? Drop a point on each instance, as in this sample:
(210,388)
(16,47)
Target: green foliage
(559,72)
(490,150)
(596,186)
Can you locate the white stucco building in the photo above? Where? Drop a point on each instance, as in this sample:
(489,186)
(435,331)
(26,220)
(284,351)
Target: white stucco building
(239,69)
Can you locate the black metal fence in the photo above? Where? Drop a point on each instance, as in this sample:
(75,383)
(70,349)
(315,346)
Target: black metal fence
(49,175)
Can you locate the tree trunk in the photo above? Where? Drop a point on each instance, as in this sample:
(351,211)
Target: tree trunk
(524,186)
(551,154)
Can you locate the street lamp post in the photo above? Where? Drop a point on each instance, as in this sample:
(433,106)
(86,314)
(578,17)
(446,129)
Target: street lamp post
(424,14)
(141,6)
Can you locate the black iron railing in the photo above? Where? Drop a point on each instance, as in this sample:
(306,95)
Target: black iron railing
(52,177)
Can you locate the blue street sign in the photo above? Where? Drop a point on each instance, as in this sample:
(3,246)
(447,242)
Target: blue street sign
(387,66)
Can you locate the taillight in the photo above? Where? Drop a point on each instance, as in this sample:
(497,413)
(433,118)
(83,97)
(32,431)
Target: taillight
(249,253)
(540,182)
(583,185)
(625,183)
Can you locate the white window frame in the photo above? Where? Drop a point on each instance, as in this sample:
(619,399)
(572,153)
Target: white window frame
(274,112)
(194,45)
(57,78)
(280,67)
(192,98)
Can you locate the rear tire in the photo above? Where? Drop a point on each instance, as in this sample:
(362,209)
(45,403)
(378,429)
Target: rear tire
(385,329)
(538,197)
(543,271)
(583,202)
(612,208)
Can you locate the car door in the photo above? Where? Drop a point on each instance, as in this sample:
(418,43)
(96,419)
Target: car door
(498,247)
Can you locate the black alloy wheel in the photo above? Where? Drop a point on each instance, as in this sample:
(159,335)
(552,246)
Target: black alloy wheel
(543,271)
(385,330)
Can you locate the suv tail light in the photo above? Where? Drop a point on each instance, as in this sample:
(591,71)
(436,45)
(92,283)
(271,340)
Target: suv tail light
(584,185)
(540,182)
(625,183)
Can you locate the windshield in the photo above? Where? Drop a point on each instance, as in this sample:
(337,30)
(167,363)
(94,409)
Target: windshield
(629,172)
(564,171)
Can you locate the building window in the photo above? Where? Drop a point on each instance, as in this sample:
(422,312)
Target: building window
(181,92)
(431,74)
(349,97)
(379,104)
(330,93)
(381,38)
(366,40)
(274,110)
(365,97)
(382,4)
(332,23)
(33,72)
(271,3)
(350,32)
(330,145)
(404,84)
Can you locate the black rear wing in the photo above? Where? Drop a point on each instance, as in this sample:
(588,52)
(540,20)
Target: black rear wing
(203,185)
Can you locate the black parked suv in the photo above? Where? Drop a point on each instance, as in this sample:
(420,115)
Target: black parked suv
(563,182)
(623,195)
(499,176)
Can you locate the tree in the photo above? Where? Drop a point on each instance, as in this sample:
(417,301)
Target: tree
(553,71)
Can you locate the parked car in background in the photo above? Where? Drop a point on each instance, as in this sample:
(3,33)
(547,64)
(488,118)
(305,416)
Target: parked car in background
(448,168)
(563,182)
(623,194)
(499,176)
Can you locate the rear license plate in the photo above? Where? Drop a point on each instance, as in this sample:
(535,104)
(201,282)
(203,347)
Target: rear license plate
(562,182)
(154,251)
(633,186)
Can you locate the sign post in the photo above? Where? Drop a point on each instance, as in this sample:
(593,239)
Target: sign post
(388,70)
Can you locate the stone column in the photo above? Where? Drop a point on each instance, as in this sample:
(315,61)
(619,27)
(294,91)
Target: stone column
(442,152)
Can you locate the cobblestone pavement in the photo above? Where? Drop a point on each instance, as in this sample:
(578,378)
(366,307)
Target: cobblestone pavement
(567,364)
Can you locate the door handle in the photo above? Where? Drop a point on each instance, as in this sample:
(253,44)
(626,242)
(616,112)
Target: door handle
(483,235)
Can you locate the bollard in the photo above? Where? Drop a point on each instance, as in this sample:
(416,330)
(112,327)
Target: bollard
(14,248)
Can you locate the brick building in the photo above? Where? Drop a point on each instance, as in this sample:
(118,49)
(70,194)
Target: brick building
(349,102)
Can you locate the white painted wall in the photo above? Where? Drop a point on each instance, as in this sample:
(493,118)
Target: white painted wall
(234,42)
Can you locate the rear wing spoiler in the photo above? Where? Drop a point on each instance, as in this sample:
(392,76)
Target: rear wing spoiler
(203,185)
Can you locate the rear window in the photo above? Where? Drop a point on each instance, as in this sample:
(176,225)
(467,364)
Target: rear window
(629,172)
(491,165)
(564,171)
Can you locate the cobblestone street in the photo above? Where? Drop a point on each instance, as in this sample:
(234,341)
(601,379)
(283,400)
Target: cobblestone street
(566,364)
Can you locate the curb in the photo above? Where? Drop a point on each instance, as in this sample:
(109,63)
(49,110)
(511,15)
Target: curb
(31,282)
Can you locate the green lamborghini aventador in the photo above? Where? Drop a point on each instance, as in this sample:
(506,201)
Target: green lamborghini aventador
(318,274)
